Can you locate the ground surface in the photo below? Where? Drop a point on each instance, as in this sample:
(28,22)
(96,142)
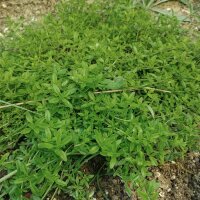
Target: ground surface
(30,10)
(178,180)
(188,15)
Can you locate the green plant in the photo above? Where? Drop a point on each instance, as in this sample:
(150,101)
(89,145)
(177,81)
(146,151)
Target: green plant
(148,4)
(152,5)
(99,79)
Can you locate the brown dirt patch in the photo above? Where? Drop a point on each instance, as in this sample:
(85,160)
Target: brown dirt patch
(188,16)
(110,188)
(30,10)
(176,7)
(179,180)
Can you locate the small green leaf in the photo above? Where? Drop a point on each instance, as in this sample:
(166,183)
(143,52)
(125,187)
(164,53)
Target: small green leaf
(61,182)
(22,167)
(54,78)
(94,150)
(48,133)
(66,140)
(34,189)
(153,161)
(4,158)
(53,100)
(65,83)
(20,180)
(113,161)
(45,145)
(56,89)
(117,83)
(91,96)
(151,111)
(47,115)
(29,118)
(26,131)
(61,154)
(67,103)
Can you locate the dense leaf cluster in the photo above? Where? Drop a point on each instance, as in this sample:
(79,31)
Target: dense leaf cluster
(96,79)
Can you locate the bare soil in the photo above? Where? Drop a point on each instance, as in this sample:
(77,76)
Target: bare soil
(29,10)
(179,180)
(189,16)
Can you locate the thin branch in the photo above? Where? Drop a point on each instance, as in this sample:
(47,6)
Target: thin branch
(131,89)
(16,104)
(158,90)
(108,91)
(47,191)
(54,194)
(11,174)
(6,177)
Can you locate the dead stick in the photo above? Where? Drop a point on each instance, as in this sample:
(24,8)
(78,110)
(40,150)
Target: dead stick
(96,92)
(16,104)
(131,89)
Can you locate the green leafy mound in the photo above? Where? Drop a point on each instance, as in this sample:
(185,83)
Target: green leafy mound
(95,79)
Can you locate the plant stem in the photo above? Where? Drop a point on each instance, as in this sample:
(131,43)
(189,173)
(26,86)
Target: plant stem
(6,177)
(131,89)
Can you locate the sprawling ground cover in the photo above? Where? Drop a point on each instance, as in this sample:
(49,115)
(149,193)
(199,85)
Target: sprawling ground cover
(99,79)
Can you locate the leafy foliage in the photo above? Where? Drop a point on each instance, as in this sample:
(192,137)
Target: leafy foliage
(96,79)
